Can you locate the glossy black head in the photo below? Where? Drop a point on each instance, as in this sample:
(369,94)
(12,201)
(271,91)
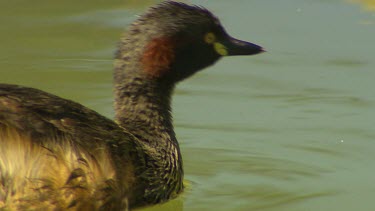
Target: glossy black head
(174,40)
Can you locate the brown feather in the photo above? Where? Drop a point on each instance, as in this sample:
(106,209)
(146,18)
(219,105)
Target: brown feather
(63,176)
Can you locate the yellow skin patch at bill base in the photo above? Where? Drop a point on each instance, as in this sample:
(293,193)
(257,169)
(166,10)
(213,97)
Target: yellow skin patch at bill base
(210,38)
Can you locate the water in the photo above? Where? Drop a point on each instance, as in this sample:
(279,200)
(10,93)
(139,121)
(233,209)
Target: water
(291,129)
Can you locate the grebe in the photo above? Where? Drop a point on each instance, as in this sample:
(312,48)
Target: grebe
(56,154)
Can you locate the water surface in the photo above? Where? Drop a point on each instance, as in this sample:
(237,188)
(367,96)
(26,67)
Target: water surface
(291,129)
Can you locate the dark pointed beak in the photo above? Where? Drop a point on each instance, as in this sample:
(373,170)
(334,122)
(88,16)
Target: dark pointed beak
(238,47)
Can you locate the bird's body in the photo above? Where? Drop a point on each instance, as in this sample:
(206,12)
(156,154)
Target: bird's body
(63,149)
(58,154)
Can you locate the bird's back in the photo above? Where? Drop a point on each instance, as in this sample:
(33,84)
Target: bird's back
(57,154)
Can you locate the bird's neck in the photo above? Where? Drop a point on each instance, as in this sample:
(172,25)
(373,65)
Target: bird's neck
(143,107)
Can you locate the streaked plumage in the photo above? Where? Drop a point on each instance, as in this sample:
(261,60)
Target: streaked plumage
(56,154)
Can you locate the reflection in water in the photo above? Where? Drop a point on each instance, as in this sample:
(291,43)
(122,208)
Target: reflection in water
(266,197)
(173,205)
(346,62)
(367,4)
(248,180)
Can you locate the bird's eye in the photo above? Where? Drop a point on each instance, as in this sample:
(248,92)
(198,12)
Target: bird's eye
(210,38)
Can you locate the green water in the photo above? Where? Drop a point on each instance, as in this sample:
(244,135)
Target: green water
(291,129)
